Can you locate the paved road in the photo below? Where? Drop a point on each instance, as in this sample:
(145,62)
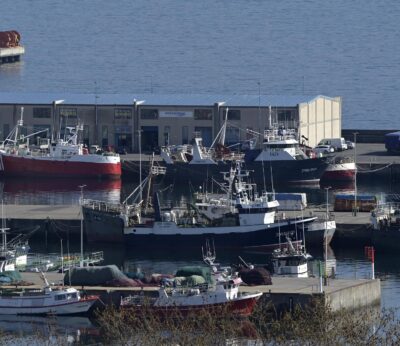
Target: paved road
(371,153)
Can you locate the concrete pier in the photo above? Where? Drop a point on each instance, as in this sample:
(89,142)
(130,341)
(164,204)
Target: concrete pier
(284,293)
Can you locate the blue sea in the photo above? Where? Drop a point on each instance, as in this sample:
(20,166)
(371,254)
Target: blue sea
(335,48)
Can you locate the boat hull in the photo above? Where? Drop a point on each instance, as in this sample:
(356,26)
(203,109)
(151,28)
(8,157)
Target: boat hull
(21,306)
(340,172)
(109,227)
(320,233)
(239,307)
(387,240)
(308,171)
(76,166)
(238,237)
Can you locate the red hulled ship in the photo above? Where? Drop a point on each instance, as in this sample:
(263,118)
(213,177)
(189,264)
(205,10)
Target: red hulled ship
(341,169)
(59,158)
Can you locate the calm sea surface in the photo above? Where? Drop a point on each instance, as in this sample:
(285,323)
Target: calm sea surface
(336,48)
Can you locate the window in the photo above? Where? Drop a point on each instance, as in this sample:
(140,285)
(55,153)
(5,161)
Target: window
(104,135)
(167,134)
(185,135)
(232,135)
(149,113)
(203,114)
(23,131)
(60,297)
(86,134)
(42,112)
(287,118)
(233,114)
(122,113)
(69,112)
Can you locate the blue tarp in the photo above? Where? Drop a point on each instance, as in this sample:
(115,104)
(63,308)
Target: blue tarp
(359,197)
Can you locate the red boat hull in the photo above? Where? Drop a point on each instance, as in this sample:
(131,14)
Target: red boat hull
(22,166)
(239,308)
(340,171)
(340,175)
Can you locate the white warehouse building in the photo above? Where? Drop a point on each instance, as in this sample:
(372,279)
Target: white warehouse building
(119,120)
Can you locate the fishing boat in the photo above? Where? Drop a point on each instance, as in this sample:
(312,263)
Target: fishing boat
(223,296)
(52,301)
(13,253)
(281,156)
(340,169)
(290,261)
(61,157)
(385,222)
(253,221)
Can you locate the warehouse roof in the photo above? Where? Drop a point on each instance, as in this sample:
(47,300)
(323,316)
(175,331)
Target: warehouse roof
(157,99)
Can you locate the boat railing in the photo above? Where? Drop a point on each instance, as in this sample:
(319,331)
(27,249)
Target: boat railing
(279,134)
(345,159)
(103,206)
(390,208)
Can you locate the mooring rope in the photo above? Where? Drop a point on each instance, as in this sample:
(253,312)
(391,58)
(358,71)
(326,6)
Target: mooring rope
(373,170)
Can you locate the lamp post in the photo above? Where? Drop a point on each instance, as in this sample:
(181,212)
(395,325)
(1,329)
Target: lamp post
(81,202)
(140,164)
(56,121)
(355,174)
(259,106)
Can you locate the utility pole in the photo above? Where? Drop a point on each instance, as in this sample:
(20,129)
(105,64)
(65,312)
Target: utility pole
(81,202)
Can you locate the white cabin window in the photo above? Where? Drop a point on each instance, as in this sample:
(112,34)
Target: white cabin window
(60,297)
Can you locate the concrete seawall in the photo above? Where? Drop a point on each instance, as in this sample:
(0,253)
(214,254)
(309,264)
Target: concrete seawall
(284,293)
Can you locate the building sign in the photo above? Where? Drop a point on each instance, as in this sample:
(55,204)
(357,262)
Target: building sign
(175,114)
(123,129)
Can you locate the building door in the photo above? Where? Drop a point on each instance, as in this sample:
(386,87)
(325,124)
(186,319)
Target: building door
(123,142)
(149,139)
(206,134)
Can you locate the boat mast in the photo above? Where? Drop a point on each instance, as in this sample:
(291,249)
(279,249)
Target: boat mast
(149,185)
(3,230)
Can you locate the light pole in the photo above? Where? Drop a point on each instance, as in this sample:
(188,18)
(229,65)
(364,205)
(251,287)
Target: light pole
(355,174)
(56,135)
(81,202)
(259,106)
(140,164)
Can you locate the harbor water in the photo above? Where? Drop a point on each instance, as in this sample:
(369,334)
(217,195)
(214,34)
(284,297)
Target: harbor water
(338,48)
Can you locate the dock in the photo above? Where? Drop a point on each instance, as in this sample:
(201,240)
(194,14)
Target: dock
(284,293)
(350,228)
(11,54)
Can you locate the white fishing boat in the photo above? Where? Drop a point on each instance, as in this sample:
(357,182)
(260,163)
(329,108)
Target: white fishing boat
(281,155)
(46,301)
(290,261)
(12,253)
(223,296)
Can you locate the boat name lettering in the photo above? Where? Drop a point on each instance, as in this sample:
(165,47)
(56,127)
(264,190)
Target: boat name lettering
(306,170)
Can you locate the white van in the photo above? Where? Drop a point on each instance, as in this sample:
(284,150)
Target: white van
(338,143)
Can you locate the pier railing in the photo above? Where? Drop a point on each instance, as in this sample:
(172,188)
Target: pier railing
(102,206)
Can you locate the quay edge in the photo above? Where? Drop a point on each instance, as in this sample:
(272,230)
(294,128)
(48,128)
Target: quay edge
(284,293)
(350,230)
